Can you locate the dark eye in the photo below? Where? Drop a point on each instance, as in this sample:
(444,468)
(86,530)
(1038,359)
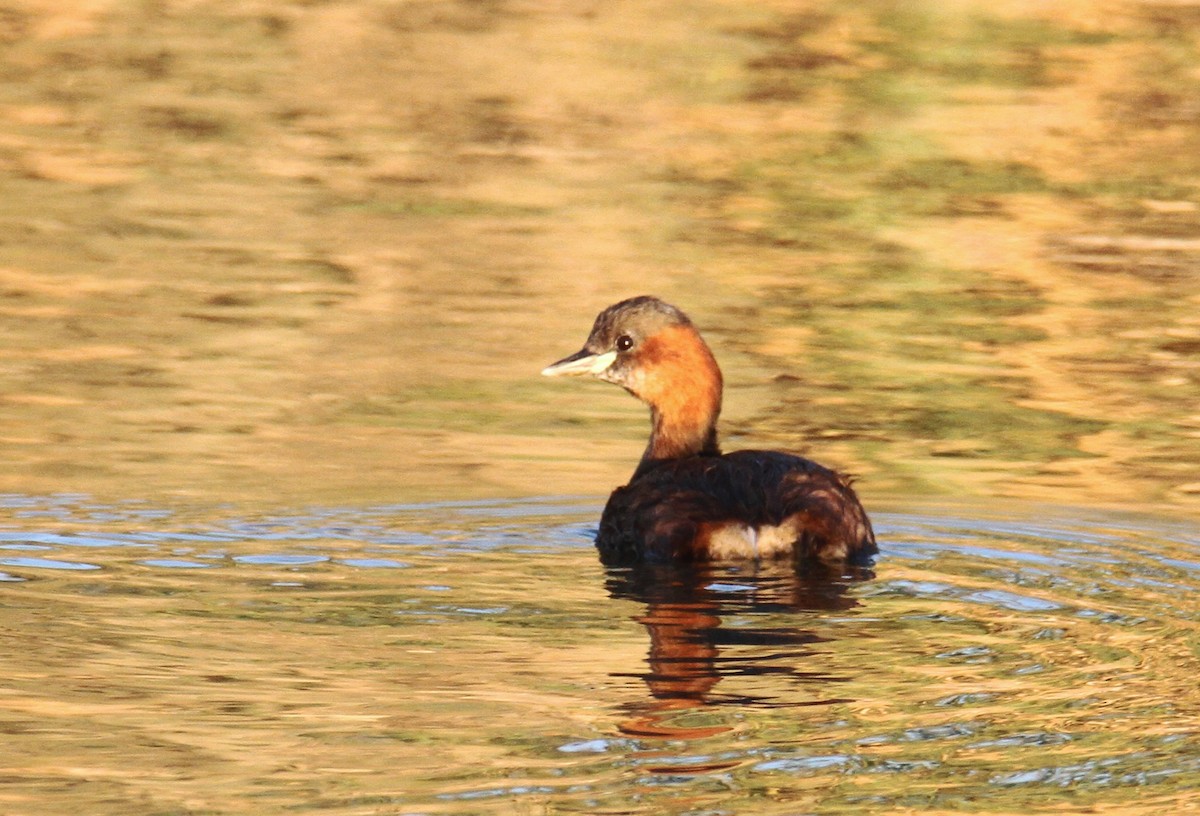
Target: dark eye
(624,342)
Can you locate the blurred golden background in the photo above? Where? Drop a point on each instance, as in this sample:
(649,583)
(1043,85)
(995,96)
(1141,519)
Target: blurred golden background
(294,251)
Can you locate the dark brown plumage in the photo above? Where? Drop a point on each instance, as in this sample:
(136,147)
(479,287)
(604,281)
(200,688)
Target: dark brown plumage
(686,501)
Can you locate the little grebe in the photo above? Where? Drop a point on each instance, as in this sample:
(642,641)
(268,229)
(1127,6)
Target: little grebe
(686,501)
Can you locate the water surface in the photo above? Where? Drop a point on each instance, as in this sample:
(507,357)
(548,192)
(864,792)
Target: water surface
(307,252)
(476,658)
(291,524)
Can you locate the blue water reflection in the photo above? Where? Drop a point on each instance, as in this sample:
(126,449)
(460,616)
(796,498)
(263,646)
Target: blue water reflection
(990,656)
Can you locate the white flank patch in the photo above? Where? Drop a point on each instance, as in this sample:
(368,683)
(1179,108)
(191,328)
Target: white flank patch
(735,541)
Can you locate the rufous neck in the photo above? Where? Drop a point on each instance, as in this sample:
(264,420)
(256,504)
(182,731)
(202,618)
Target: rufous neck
(671,438)
(682,385)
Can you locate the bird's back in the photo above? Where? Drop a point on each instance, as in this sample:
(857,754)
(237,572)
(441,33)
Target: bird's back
(747,504)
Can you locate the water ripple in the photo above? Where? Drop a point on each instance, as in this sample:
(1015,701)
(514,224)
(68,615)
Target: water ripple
(47,563)
(990,659)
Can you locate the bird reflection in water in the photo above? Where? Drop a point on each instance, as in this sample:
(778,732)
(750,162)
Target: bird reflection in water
(691,652)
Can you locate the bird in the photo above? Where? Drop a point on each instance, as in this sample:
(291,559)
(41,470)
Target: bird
(687,501)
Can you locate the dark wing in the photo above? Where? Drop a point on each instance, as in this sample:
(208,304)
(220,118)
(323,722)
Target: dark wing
(659,515)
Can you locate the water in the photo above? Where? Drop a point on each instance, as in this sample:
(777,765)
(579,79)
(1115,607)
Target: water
(951,249)
(474,657)
(290,522)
